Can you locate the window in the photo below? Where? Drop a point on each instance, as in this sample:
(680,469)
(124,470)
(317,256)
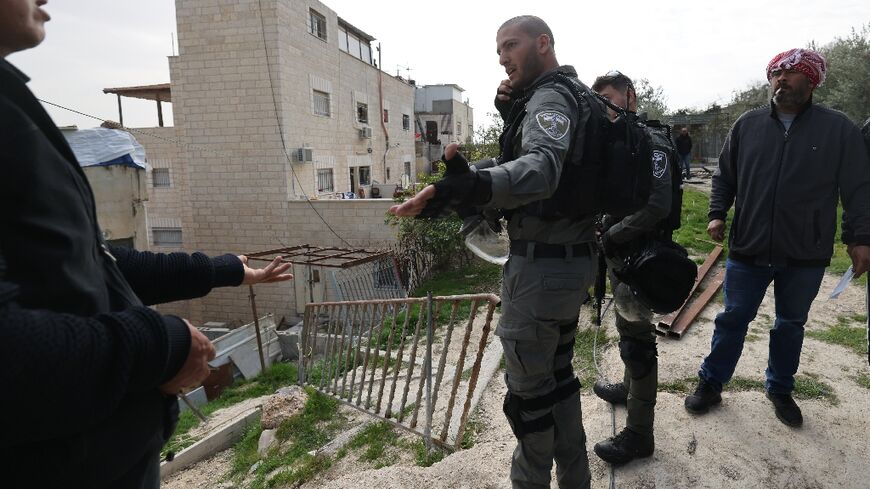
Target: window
(325,180)
(408,168)
(388,173)
(352,45)
(342,39)
(459,128)
(362,112)
(406,122)
(317,24)
(166,236)
(160,177)
(366,52)
(386,116)
(321,103)
(365,175)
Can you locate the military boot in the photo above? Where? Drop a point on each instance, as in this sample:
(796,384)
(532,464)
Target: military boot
(612,393)
(626,446)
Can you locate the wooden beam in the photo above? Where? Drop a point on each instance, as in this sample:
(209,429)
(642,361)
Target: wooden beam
(685,320)
(667,321)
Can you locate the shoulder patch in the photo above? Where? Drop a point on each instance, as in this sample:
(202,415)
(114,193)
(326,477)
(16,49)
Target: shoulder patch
(555,124)
(659,163)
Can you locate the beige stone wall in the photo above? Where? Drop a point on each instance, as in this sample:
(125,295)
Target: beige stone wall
(120,195)
(240,193)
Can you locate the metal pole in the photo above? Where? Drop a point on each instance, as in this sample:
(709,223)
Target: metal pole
(427,369)
(257,329)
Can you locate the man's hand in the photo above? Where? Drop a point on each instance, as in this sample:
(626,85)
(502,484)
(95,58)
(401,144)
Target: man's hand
(415,204)
(195,368)
(274,272)
(504,91)
(860,255)
(716,229)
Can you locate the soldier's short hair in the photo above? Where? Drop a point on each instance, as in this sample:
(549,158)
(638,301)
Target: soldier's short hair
(613,79)
(531,25)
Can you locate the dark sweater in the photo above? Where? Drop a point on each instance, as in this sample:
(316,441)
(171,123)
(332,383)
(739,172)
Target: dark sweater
(82,355)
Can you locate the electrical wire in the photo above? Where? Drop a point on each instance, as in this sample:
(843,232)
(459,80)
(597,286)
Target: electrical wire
(281,127)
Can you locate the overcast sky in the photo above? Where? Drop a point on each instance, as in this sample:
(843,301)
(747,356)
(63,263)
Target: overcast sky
(698,52)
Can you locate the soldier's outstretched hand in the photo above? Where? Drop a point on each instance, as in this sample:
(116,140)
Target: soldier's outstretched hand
(415,204)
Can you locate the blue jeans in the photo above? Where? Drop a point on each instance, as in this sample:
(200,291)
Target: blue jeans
(745,285)
(685,161)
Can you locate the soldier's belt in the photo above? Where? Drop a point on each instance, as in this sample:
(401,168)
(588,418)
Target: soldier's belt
(521,247)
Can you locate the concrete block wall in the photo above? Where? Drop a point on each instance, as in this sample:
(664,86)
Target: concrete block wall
(238,191)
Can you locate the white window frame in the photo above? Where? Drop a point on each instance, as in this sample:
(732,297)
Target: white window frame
(316,104)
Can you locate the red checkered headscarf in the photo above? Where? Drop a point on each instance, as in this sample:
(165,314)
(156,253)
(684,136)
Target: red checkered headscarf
(806,61)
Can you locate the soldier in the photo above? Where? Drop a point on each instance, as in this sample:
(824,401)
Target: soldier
(637,339)
(552,257)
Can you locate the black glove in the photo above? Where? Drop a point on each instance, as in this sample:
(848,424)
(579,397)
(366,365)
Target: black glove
(460,188)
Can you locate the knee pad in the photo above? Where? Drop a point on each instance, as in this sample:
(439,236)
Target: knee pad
(639,356)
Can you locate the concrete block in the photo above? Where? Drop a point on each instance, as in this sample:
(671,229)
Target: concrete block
(289,341)
(267,441)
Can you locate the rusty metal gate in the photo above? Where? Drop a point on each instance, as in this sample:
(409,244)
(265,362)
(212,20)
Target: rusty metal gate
(377,356)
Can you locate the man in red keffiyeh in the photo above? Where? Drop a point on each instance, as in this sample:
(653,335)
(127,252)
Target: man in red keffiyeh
(783,168)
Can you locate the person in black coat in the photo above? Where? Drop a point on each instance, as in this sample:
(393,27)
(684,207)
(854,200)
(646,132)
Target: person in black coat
(89,373)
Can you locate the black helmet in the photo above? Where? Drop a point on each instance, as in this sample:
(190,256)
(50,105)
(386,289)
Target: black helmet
(660,276)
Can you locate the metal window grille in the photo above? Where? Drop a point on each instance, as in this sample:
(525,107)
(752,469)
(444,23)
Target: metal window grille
(325,180)
(408,168)
(406,122)
(321,103)
(166,236)
(362,112)
(160,177)
(386,116)
(317,25)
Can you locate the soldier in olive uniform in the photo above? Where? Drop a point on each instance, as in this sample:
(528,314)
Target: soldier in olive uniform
(552,258)
(637,339)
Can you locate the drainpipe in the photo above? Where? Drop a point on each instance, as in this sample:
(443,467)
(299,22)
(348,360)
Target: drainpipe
(381,114)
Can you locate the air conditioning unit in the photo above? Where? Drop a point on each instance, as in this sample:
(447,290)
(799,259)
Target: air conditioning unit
(365,133)
(304,155)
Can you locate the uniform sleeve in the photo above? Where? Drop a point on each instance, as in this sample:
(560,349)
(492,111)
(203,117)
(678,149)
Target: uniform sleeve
(659,204)
(165,277)
(725,177)
(854,182)
(547,132)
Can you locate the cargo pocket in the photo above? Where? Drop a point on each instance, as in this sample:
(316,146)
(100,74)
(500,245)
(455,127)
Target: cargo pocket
(560,297)
(512,336)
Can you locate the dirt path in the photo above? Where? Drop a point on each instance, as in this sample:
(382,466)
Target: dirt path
(741,444)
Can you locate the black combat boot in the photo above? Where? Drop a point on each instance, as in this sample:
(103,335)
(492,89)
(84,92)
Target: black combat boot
(612,393)
(626,446)
(786,409)
(703,398)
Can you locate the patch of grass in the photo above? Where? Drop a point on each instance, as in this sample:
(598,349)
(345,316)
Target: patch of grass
(693,229)
(472,429)
(300,434)
(424,459)
(374,440)
(478,277)
(245,452)
(276,376)
(807,386)
(843,334)
(305,470)
(863,380)
(583,358)
(466,374)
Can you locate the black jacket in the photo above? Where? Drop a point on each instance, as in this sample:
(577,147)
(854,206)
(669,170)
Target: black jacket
(82,356)
(684,144)
(785,186)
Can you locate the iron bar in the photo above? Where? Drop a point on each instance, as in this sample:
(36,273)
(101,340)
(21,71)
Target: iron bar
(475,371)
(413,362)
(457,376)
(257,329)
(387,360)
